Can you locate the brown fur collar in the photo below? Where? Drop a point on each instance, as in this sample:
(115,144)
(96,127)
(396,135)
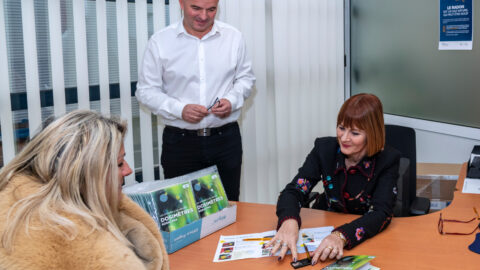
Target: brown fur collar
(44,249)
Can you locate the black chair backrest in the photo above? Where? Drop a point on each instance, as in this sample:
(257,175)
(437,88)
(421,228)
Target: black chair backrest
(403,139)
(404,200)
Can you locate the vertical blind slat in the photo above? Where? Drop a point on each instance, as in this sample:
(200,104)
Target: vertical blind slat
(280,51)
(158,15)
(81,57)
(221,14)
(124,72)
(323,54)
(159,22)
(294,81)
(8,142)
(31,67)
(340,45)
(56,47)
(258,54)
(175,13)
(145,115)
(101,12)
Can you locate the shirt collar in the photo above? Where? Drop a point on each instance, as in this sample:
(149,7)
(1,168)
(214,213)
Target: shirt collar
(180,29)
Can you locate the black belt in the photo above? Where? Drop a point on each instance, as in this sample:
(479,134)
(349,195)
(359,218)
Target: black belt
(203,132)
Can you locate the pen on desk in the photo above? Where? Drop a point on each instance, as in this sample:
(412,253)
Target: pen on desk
(258,239)
(308,252)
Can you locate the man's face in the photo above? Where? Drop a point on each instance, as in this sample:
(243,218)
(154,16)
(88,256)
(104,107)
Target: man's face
(198,16)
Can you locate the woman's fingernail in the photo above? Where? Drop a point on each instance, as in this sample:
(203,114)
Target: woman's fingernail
(294,259)
(279,258)
(314,262)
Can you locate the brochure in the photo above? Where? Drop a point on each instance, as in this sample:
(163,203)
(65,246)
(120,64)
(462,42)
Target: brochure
(237,247)
(172,206)
(209,194)
(356,262)
(176,202)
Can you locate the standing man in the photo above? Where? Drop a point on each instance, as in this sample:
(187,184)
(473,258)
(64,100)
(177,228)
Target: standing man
(196,75)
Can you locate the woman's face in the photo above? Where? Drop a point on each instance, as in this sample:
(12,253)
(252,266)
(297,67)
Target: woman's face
(353,141)
(123,168)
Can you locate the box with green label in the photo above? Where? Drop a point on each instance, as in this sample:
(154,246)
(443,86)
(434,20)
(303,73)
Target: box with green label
(185,208)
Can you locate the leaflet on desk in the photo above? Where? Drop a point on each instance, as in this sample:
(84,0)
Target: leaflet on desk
(244,246)
(471,185)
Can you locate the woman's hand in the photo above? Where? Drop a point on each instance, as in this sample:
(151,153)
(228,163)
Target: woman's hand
(286,238)
(330,247)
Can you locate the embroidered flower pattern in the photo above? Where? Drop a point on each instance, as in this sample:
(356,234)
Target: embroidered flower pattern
(359,233)
(303,185)
(366,164)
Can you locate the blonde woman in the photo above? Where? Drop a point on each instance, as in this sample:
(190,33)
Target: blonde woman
(61,205)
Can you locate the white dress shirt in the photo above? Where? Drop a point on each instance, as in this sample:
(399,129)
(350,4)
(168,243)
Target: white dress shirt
(180,69)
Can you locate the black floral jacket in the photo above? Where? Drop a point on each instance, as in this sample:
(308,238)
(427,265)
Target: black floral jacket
(367,189)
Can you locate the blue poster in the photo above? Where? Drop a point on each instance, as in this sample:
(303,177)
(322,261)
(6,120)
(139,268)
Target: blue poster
(456,25)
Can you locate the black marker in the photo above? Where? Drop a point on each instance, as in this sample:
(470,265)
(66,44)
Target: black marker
(304,262)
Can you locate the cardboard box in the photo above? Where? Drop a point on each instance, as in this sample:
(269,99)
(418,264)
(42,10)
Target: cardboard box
(198,229)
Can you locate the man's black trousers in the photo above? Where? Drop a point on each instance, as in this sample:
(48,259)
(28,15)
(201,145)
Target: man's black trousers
(184,151)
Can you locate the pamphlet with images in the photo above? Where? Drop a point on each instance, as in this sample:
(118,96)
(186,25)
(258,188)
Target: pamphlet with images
(170,203)
(174,203)
(245,246)
(176,206)
(209,193)
(355,262)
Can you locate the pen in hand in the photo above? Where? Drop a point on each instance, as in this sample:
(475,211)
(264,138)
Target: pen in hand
(215,102)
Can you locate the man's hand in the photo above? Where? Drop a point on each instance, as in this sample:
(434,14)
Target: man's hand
(223,108)
(194,113)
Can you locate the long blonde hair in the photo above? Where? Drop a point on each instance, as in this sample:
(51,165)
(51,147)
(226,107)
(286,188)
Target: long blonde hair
(74,159)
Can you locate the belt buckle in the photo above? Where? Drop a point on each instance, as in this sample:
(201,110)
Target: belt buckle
(203,132)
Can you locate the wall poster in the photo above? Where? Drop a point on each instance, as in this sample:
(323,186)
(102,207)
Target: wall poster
(456,25)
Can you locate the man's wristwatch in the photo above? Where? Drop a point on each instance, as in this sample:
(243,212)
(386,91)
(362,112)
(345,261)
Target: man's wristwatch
(341,236)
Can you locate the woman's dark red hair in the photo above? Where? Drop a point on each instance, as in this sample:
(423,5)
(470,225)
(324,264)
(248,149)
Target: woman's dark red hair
(365,112)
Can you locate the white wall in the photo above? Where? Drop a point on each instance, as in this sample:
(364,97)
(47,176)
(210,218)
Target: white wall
(433,147)
(438,142)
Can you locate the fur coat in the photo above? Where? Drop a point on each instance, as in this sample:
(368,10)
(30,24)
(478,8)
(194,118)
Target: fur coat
(44,249)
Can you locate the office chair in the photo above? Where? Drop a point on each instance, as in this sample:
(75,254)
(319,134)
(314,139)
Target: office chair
(408,204)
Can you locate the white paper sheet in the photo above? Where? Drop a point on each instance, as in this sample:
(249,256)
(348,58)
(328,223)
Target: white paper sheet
(471,185)
(237,247)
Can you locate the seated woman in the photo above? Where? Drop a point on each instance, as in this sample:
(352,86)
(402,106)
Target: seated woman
(358,173)
(62,207)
